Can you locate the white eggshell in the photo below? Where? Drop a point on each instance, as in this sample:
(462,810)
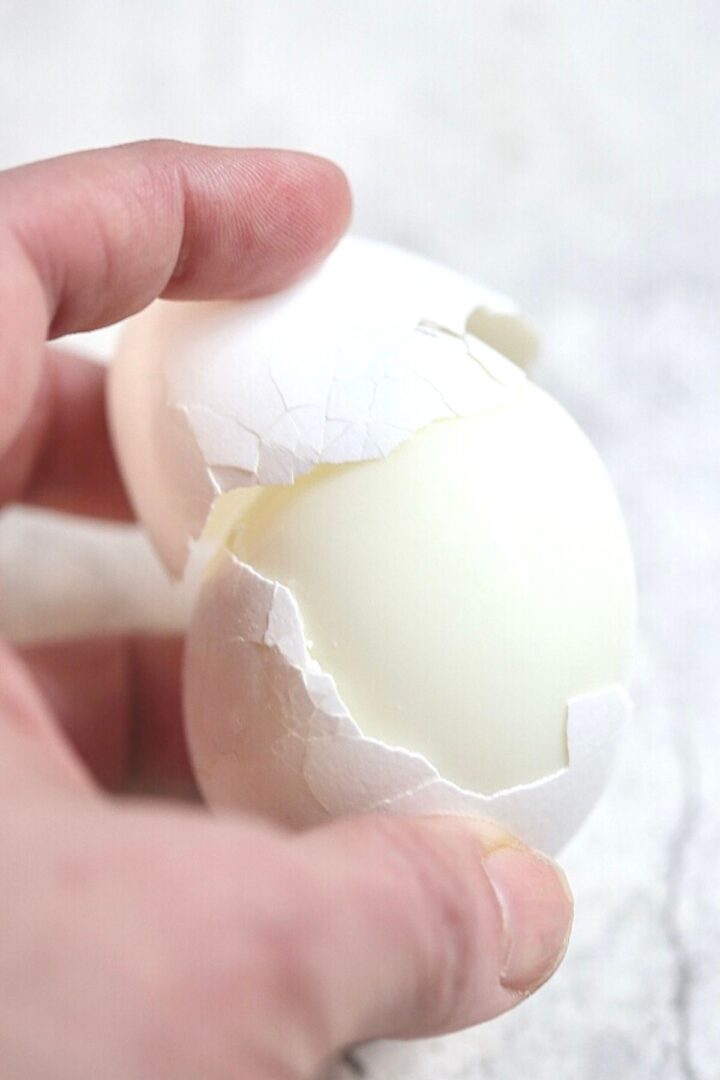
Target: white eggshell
(422,593)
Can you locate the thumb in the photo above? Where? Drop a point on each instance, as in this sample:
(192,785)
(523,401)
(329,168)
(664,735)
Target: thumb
(432,924)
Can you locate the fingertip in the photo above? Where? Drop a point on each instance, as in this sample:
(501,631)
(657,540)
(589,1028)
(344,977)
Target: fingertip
(448,920)
(333,180)
(518,914)
(285,211)
(310,211)
(537,913)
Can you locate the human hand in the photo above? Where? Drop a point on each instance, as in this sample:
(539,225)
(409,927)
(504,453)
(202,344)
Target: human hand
(146,940)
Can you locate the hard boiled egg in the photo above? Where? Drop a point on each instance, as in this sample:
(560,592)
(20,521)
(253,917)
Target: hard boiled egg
(417,591)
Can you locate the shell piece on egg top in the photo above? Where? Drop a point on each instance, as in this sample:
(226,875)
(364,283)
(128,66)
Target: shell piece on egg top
(421,597)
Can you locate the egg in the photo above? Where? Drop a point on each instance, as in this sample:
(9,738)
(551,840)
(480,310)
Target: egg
(417,591)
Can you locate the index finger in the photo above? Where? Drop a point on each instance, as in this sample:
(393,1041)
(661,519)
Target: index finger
(90,238)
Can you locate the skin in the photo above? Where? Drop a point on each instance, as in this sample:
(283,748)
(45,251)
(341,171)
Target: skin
(141,937)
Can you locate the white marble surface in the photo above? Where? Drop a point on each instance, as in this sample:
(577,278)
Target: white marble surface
(567,152)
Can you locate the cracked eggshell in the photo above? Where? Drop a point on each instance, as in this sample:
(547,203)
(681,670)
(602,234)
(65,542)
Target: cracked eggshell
(270,734)
(205,397)
(218,408)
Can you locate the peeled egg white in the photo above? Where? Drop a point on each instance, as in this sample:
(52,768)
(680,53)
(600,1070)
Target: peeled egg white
(419,591)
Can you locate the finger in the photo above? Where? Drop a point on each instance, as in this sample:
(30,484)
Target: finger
(63,458)
(118,702)
(440,923)
(90,238)
(34,754)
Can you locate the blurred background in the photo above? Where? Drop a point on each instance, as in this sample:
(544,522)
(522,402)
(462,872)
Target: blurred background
(566,152)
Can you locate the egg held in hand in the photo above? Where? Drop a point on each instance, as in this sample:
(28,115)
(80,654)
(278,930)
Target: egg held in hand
(418,593)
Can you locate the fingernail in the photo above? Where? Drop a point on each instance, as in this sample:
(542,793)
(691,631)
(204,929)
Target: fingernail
(536,906)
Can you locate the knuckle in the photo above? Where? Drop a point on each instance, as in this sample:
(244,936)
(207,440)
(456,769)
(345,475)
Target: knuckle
(246,953)
(288,941)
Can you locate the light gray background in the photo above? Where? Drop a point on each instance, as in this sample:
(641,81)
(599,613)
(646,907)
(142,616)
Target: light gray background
(568,153)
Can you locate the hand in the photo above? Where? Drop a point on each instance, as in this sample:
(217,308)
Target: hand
(145,940)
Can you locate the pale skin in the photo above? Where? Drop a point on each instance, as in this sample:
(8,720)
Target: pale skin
(143,938)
